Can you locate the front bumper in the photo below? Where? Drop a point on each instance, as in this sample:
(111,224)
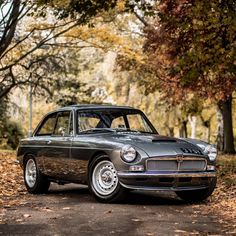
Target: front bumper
(171,181)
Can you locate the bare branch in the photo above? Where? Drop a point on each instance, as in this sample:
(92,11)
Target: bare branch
(10,26)
(39,44)
(141,18)
(16,44)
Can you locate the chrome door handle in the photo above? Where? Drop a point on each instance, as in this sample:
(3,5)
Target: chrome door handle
(68,139)
(48,142)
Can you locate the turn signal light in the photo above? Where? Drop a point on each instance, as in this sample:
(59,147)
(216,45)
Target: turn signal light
(210,167)
(136,168)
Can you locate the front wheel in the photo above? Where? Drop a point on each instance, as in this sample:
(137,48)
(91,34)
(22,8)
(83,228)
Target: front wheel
(197,195)
(35,181)
(103,180)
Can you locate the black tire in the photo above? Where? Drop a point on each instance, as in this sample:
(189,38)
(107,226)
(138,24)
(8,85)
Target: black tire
(41,183)
(117,194)
(197,195)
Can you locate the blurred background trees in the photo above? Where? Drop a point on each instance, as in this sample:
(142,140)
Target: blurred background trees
(175,60)
(191,45)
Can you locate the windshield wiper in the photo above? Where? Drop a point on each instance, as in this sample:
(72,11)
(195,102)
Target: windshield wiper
(147,132)
(127,130)
(92,130)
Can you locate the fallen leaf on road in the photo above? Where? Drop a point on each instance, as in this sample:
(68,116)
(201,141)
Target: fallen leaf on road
(27,215)
(66,208)
(47,209)
(180,231)
(110,211)
(136,220)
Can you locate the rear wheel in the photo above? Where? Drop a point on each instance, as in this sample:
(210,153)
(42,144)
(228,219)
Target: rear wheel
(35,181)
(103,180)
(197,195)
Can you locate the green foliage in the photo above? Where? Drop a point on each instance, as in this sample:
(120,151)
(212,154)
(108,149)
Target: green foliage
(85,9)
(194,106)
(3,112)
(11,134)
(69,92)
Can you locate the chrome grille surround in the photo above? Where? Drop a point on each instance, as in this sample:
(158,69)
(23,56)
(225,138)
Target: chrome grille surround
(176,163)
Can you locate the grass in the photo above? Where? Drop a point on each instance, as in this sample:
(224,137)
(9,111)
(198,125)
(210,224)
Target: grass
(7,150)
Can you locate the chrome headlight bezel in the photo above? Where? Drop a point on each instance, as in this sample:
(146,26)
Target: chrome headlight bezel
(128,153)
(209,150)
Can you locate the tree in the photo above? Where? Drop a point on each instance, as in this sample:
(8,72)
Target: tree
(191,48)
(62,15)
(11,13)
(47,27)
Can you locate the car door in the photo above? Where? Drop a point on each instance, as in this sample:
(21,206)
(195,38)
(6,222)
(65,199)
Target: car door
(58,147)
(82,146)
(42,137)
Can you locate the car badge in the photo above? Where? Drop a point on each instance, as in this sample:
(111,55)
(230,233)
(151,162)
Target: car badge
(180,158)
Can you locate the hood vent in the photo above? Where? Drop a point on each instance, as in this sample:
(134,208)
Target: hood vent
(164,141)
(191,150)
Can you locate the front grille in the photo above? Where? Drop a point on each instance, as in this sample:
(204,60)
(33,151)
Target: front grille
(176,164)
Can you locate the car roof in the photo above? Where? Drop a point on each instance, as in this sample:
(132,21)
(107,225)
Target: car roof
(94,106)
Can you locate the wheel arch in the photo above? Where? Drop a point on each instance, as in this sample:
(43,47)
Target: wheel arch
(26,155)
(39,161)
(97,154)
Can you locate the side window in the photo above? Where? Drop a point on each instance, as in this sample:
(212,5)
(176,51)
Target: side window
(87,121)
(136,122)
(48,125)
(118,122)
(63,126)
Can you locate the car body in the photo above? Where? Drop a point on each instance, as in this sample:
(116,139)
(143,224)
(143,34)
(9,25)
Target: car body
(114,149)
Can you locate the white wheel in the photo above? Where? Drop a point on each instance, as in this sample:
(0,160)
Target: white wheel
(104,178)
(30,173)
(35,181)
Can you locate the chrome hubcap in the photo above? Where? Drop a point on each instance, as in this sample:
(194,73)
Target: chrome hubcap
(104,178)
(30,173)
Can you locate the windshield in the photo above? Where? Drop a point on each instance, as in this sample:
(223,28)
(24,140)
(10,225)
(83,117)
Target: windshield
(114,121)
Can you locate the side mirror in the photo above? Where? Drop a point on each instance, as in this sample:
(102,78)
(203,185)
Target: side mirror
(121,126)
(62,131)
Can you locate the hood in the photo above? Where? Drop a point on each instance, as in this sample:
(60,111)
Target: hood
(157,145)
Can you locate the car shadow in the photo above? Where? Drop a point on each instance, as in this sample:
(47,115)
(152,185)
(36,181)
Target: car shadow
(152,198)
(133,197)
(68,189)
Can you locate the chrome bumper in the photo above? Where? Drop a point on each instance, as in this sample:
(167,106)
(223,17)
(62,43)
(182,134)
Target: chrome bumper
(158,188)
(169,181)
(209,174)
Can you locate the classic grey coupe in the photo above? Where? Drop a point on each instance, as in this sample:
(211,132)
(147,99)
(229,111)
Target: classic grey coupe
(114,149)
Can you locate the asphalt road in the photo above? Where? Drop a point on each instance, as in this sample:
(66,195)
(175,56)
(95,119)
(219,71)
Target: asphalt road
(72,210)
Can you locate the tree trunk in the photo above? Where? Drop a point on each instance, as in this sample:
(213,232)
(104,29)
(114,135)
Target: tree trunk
(208,134)
(226,110)
(207,127)
(170,130)
(167,124)
(183,130)
(193,121)
(9,25)
(220,130)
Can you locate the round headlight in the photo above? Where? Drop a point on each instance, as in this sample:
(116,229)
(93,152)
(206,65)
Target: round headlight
(210,150)
(128,153)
